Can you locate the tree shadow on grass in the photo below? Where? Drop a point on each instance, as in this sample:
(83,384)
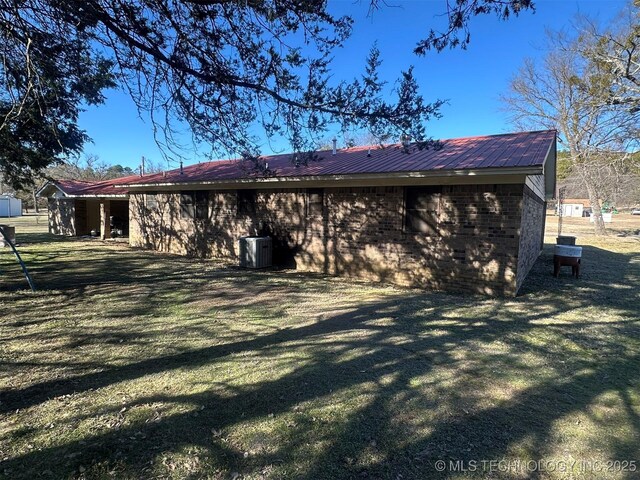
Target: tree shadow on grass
(422,376)
(27,239)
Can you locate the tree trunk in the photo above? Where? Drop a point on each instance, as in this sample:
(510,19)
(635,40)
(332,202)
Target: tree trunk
(596,211)
(592,190)
(35,201)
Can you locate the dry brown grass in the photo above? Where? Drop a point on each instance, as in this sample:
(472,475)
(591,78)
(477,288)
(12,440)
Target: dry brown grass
(622,224)
(133,364)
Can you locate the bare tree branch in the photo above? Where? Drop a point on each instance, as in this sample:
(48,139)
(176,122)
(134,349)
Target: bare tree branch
(568,91)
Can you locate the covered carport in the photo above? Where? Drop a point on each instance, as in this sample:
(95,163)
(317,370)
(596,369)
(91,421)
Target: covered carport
(79,208)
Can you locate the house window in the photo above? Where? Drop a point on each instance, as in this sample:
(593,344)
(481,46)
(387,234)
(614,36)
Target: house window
(194,205)
(151,201)
(422,206)
(187,204)
(246,202)
(315,200)
(202,205)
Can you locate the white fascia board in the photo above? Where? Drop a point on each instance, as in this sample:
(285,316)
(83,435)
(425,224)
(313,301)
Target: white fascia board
(394,178)
(549,167)
(117,196)
(49,184)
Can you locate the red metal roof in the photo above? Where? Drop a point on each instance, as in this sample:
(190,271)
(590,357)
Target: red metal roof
(101,188)
(70,187)
(513,150)
(524,149)
(585,202)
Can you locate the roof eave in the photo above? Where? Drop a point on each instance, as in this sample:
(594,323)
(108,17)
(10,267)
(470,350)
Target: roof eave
(50,184)
(105,196)
(109,196)
(531,170)
(549,167)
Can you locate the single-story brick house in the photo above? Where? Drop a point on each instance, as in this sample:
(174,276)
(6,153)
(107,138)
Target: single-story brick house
(77,207)
(468,216)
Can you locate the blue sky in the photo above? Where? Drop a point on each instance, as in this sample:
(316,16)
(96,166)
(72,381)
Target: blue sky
(471,79)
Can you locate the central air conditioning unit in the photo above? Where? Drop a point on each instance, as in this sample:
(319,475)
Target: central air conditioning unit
(255,252)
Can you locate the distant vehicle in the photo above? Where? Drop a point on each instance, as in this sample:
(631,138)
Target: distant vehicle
(635,211)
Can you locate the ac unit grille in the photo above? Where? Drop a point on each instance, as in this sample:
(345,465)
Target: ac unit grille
(255,252)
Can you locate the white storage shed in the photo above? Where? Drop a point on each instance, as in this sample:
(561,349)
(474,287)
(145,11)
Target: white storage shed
(10,206)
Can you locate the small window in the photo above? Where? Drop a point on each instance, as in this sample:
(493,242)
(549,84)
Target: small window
(246,202)
(315,201)
(187,204)
(151,201)
(422,206)
(202,205)
(194,205)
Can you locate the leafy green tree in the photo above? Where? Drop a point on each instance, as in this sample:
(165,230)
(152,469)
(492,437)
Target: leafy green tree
(563,166)
(45,76)
(219,67)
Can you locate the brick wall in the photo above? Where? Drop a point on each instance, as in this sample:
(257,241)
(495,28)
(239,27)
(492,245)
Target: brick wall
(62,219)
(278,212)
(531,233)
(358,232)
(474,245)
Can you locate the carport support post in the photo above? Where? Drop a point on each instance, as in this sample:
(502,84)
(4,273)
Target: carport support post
(105,215)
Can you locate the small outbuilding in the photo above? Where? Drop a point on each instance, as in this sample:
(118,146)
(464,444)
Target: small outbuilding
(10,206)
(78,208)
(574,207)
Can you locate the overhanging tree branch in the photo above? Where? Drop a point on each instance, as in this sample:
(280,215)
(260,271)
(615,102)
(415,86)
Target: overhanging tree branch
(220,69)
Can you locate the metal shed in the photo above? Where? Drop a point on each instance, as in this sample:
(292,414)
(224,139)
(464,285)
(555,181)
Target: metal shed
(10,206)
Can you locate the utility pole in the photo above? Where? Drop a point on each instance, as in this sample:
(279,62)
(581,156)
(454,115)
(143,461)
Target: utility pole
(561,193)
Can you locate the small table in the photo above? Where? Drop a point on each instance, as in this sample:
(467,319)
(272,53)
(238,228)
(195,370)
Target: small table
(562,261)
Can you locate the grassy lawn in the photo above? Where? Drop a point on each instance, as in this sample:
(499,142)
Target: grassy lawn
(134,364)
